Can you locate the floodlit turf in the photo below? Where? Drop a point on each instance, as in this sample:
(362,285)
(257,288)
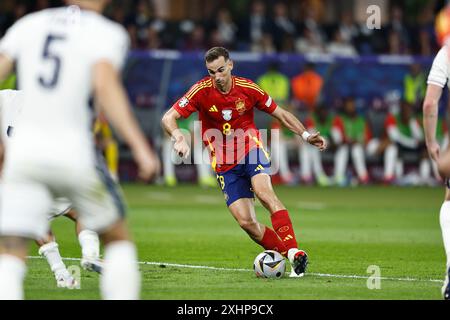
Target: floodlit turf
(344,232)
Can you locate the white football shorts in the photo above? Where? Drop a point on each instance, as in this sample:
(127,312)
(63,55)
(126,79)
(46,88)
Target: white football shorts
(28,193)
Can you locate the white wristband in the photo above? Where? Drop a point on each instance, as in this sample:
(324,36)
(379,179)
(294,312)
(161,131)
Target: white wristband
(305,135)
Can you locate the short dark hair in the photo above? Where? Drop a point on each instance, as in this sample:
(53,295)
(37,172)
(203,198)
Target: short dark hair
(215,53)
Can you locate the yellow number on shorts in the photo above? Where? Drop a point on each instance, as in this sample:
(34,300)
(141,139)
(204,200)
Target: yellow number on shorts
(226,129)
(221,180)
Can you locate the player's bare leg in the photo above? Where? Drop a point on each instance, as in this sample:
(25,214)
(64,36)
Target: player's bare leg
(13,253)
(49,249)
(444,218)
(281,222)
(90,245)
(120,259)
(243,210)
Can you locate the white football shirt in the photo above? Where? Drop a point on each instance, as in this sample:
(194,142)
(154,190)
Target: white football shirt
(55,50)
(10,108)
(440,70)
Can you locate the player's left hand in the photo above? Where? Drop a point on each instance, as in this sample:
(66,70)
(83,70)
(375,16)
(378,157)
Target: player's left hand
(317,140)
(148,163)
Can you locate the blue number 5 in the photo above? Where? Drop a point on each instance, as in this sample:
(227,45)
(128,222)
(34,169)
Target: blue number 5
(47,55)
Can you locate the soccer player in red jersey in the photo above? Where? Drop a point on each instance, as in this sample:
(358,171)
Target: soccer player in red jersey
(226,105)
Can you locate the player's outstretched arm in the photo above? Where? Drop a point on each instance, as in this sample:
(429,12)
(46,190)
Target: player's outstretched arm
(430,117)
(291,122)
(113,102)
(169,123)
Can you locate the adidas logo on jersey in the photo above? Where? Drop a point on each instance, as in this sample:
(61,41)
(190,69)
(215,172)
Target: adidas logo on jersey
(213,109)
(259,168)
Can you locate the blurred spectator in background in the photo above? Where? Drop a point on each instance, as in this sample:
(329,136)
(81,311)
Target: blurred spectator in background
(194,39)
(118,14)
(398,33)
(347,28)
(312,23)
(380,146)
(351,134)
(396,45)
(405,131)
(306,87)
(308,43)
(146,28)
(426,34)
(339,47)
(140,19)
(277,85)
(282,141)
(254,27)
(311,161)
(266,46)
(414,86)
(283,30)
(226,29)
(289,26)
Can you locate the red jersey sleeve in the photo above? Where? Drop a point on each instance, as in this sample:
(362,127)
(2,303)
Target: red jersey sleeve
(188,104)
(266,103)
(262,101)
(185,107)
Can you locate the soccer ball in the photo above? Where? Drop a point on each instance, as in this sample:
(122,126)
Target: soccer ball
(269,264)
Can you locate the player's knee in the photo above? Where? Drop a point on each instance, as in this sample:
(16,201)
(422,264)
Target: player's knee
(266,197)
(249,225)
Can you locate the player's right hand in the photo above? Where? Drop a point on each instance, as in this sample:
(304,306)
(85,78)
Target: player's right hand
(182,148)
(317,140)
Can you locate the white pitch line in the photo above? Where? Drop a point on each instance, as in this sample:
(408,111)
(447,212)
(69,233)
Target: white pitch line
(326,275)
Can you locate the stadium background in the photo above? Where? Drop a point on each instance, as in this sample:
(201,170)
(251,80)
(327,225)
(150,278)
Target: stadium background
(189,245)
(168,40)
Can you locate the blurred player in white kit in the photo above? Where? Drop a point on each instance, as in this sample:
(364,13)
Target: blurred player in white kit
(437,80)
(62,56)
(10,107)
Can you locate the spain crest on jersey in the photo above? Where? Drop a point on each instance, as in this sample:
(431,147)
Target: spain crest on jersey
(227,114)
(240,106)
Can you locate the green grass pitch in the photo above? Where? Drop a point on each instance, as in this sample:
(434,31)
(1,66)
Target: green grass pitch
(344,232)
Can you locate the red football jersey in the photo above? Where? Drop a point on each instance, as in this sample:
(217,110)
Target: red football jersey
(228,127)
